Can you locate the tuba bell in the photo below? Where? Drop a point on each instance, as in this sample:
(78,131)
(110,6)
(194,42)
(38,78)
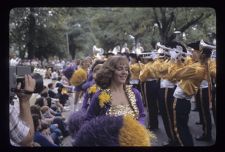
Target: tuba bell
(98,51)
(158,45)
(204,45)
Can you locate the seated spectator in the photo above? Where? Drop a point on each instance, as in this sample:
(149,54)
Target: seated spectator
(48,112)
(51,93)
(48,73)
(53,131)
(62,95)
(52,105)
(55,119)
(42,137)
(54,102)
(57,133)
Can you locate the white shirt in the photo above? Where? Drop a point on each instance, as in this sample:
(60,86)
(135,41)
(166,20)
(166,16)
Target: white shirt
(54,75)
(180,94)
(204,84)
(166,84)
(14,62)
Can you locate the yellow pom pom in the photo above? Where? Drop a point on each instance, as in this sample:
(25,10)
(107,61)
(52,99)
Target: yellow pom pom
(64,91)
(78,77)
(133,133)
(92,89)
(104,98)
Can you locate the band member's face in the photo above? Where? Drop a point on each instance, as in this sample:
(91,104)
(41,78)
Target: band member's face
(121,73)
(96,69)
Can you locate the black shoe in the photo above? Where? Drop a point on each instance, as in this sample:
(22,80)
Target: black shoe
(198,123)
(195,109)
(168,144)
(153,128)
(203,138)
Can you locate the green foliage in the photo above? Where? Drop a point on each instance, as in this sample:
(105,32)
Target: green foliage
(43,32)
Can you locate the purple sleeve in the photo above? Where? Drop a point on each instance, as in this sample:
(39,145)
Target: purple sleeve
(94,108)
(85,101)
(140,106)
(90,76)
(87,84)
(78,88)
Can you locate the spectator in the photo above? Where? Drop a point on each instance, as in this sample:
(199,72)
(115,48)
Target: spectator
(54,75)
(55,131)
(21,127)
(51,118)
(42,135)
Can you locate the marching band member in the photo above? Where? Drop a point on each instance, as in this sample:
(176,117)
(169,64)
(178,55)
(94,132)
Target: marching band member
(190,78)
(202,98)
(125,49)
(135,69)
(149,75)
(143,62)
(167,88)
(139,49)
(212,65)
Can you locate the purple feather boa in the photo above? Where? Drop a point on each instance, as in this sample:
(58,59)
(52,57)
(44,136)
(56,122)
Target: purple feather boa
(99,131)
(75,121)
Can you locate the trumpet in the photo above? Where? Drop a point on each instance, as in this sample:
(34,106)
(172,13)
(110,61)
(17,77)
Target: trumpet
(158,45)
(145,55)
(204,45)
(98,51)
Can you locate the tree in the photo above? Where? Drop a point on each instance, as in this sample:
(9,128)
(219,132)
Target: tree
(43,32)
(180,19)
(33,30)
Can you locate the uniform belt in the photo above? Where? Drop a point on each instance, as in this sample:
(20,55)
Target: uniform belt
(151,79)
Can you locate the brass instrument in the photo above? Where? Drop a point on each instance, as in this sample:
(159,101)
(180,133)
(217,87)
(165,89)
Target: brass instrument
(204,45)
(97,51)
(158,45)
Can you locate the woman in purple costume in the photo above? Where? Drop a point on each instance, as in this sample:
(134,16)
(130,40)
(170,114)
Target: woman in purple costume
(116,98)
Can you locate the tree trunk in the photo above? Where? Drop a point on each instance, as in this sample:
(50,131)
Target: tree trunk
(31,34)
(72,47)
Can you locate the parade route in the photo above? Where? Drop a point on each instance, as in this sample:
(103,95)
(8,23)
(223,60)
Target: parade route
(160,133)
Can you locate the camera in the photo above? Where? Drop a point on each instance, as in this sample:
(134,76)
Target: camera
(16,75)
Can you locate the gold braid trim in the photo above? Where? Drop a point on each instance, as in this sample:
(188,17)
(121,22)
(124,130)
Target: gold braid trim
(132,100)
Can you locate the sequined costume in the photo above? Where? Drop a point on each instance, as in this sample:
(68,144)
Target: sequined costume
(101,105)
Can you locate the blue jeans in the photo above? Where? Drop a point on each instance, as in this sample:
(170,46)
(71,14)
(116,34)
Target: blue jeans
(55,133)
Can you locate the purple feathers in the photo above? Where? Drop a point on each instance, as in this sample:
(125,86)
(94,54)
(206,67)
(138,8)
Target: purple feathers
(75,121)
(68,71)
(99,131)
